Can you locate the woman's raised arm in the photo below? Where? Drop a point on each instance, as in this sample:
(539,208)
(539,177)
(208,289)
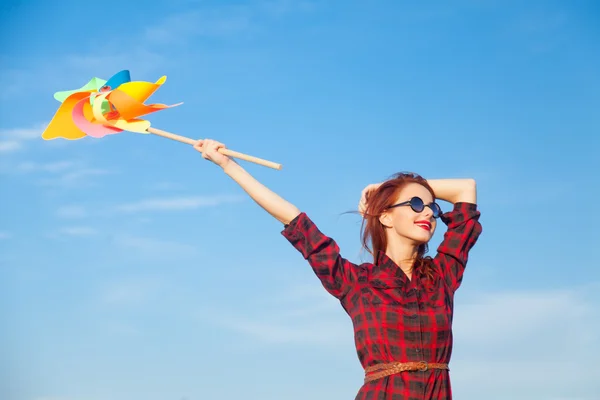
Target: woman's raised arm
(271,202)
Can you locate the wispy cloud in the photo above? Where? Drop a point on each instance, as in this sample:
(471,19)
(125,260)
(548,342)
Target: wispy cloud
(177,203)
(159,186)
(33,132)
(278,8)
(324,331)
(300,315)
(9,146)
(12,140)
(77,231)
(78,177)
(206,22)
(221,21)
(131,292)
(542,31)
(52,167)
(114,61)
(60,173)
(541,342)
(154,248)
(72,70)
(141,51)
(5,235)
(54,398)
(541,22)
(72,211)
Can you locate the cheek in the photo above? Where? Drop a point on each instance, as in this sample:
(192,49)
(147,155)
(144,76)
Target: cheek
(404,225)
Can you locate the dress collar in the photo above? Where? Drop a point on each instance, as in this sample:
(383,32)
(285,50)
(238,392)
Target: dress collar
(386,269)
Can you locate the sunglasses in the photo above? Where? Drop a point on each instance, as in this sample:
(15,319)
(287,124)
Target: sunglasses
(418,206)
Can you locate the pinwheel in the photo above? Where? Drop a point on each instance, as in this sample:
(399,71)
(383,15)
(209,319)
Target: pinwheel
(102,108)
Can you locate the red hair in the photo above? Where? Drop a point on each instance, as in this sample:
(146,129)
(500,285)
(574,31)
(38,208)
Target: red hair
(378,201)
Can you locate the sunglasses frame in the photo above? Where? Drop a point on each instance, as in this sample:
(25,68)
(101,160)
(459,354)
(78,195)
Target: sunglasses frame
(433,206)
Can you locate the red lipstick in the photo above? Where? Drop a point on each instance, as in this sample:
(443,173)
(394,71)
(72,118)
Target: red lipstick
(424,224)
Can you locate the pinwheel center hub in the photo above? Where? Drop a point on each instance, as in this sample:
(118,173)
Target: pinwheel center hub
(112,115)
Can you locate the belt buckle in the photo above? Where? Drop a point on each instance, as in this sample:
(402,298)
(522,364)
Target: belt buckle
(425,366)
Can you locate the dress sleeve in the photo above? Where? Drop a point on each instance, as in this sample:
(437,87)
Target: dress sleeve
(463,231)
(322,253)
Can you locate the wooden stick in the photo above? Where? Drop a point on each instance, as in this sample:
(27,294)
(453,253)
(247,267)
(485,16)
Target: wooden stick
(226,152)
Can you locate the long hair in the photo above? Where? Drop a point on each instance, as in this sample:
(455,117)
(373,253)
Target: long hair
(377,202)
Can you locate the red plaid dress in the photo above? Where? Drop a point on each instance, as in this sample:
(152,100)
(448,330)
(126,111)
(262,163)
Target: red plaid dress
(396,319)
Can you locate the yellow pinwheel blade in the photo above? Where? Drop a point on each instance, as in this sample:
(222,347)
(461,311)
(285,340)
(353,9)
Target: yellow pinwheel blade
(141,90)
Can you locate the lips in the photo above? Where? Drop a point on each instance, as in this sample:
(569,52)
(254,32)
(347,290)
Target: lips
(424,225)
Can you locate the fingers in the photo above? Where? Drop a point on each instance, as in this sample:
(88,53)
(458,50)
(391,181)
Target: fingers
(208,147)
(361,208)
(210,151)
(364,197)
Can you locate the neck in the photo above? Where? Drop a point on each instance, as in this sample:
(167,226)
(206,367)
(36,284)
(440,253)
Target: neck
(403,254)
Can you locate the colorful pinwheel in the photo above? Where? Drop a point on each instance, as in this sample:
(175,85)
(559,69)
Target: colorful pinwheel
(102,108)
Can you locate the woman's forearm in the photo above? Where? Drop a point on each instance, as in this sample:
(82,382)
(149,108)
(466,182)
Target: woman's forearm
(279,208)
(455,190)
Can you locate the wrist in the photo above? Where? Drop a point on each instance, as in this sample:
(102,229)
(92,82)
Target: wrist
(229,166)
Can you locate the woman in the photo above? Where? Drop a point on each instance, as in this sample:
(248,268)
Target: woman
(401,305)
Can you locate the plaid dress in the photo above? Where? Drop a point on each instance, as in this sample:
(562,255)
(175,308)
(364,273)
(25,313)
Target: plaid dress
(396,319)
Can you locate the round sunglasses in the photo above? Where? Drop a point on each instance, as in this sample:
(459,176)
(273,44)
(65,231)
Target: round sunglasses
(417,205)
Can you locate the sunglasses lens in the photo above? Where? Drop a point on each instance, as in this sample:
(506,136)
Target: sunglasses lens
(437,211)
(417,204)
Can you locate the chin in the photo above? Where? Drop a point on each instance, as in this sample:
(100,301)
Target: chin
(422,237)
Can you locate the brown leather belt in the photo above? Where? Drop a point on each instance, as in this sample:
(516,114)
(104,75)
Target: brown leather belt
(381,370)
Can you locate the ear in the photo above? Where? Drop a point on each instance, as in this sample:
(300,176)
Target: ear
(386,219)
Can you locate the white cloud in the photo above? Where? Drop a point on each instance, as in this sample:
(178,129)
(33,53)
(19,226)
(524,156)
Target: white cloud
(541,22)
(216,22)
(9,146)
(537,344)
(316,332)
(12,140)
(78,231)
(114,61)
(51,167)
(72,211)
(62,173)
(299,315)
(33,132)
(278,8)
(154,248)
(221,21)
(508,344)
(133,292)
(166,186)
(53,398)
(81,174)
(76,177)
(177,203)
(139,52)
(68,71)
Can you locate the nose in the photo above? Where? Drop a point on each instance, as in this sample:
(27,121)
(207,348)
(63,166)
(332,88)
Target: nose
(427,212)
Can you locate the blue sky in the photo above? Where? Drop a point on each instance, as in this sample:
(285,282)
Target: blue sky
(131,268)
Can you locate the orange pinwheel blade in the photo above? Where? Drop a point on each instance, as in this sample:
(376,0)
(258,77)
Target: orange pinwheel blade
(116,121)
(130,108)
(62,124)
